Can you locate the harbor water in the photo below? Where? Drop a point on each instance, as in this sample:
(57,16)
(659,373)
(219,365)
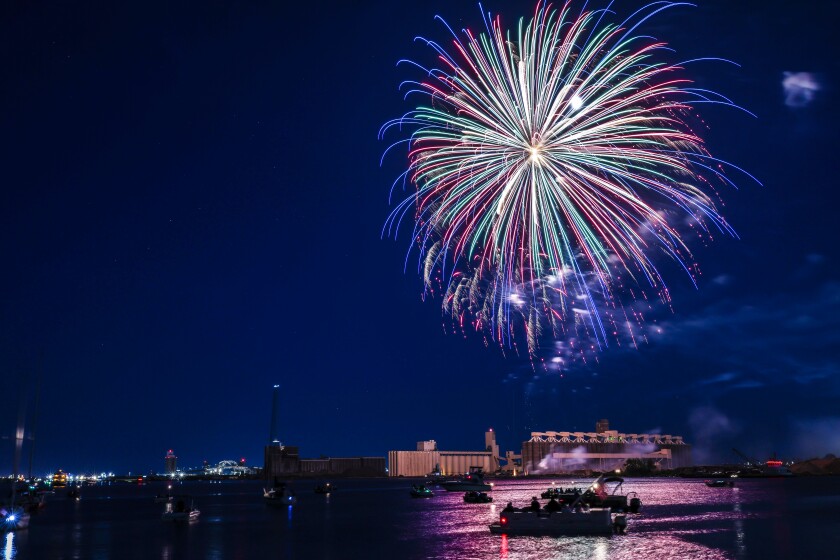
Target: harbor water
(375,518)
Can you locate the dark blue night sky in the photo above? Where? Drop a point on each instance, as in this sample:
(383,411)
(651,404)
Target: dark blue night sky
(192,204)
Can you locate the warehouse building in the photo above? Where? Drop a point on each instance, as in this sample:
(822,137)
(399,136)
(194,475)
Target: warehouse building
(283,461)
(604,449)
(428,459)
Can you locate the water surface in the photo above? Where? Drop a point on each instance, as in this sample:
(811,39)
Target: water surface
(376,518)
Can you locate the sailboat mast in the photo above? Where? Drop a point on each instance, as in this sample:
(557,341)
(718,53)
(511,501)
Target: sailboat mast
(19,433)
(34,422)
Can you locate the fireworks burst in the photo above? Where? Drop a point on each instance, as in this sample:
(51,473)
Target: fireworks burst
(551,164)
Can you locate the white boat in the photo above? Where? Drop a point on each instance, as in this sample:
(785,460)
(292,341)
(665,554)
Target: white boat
(593,521)
(473,481)
(180,510)
(279,495)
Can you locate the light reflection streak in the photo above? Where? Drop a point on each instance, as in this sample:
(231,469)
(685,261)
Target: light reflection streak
(740,544)
(665,529)
(503,548)
(9,550)
(601,550)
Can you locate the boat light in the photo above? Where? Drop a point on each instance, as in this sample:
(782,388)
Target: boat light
(504,520)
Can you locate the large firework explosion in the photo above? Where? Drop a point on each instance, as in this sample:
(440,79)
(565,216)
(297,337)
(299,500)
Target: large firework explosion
(552,165)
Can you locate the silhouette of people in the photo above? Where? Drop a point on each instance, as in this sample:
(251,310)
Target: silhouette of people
(509,507)
(535,504)
(620,524)
(552,505)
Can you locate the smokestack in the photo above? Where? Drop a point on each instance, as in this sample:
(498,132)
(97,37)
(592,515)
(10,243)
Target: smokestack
(272,430)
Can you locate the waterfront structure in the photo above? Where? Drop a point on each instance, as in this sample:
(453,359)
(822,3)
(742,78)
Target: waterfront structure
(283,461)
(171,463)
(229,467)
(428,459)
(513,463)
(604,449)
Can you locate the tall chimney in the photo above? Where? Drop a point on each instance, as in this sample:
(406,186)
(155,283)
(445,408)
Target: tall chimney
(272,430)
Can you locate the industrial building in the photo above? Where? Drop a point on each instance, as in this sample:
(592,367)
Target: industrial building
(604,449)
(427,459)
(283,461)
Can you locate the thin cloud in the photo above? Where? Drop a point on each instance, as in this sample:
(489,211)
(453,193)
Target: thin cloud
(800,88)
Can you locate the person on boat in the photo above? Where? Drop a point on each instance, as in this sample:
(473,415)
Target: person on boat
(620,525)
(535,504)
(552,505)
(509,507)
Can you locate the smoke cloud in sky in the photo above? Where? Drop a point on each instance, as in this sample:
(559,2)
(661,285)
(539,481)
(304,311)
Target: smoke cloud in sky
(708,424)
(800,88)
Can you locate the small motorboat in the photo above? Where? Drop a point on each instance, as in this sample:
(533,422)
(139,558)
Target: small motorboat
(472,481)
(598,496)
(589,521)
(477,498)
(32,501)
(720,483)
(421,491)
(327,488)
(553,492)
(279,495)
(181,508)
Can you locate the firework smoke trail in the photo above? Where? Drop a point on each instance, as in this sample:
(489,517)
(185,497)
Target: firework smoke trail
(550,164)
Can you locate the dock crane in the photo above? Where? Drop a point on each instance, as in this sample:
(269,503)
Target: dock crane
(772,467)
(748,460)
